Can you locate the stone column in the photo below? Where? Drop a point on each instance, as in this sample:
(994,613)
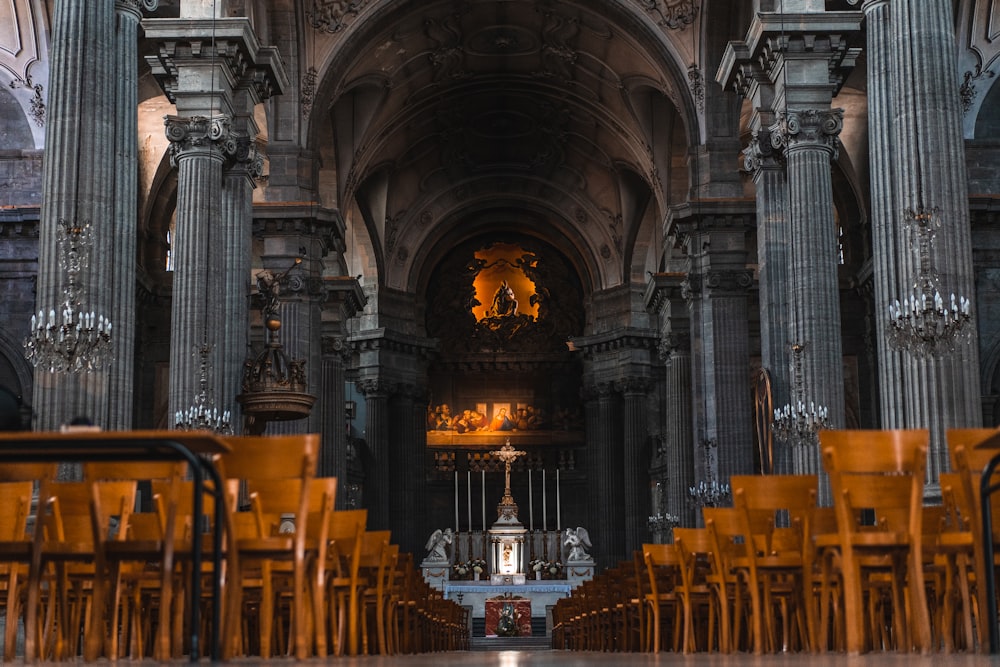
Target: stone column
(809,139)
(665,298)
(890,281)
(592,426)
(122,309)
(77,186)
(773,245)
(333,424)
(608,485)
(941,393)
(196,149)
(717,288)
(635,460)
(407,478)
(377,472)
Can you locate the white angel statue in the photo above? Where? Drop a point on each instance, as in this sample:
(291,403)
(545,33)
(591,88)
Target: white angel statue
(437,545)
(577,541)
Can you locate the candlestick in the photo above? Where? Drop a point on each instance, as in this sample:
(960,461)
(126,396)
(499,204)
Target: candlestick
(484,501)
(544,507)
(531,507)
(468,483)
(457,530)
(558,505)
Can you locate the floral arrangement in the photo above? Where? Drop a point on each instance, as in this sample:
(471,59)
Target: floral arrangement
(547,568)
(469,567)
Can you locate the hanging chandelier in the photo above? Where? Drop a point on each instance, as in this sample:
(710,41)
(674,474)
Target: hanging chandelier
(797,422)
(927,324)
(73,339)
(203,415)
(710,493)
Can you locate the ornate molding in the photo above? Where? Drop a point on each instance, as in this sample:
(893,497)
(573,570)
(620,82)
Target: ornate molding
(307,91)
(673,14)
(808,128)
(558,58)
(37,100)
(448,57)
(333,16)
(375,387)
(696,82)
(729,282)
(633,385)
(336,347)
(760,153)
(136,7)
(198,134)
(967,90)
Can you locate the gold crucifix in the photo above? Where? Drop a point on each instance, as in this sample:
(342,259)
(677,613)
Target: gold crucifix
(508,455)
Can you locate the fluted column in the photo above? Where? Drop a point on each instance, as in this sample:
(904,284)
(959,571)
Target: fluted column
(122,308)
(889,276)
(196,149)
(773,253)
(679,432)
(333,455)
(77,186)
(606,470)
(407,489)
(809,139)
(940,393)
(377,434)
(635,473)
(592,425)
(717,289)
(234,255)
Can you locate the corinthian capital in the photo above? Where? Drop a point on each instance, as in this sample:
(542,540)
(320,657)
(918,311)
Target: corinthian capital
(808,128)
(199,134)
(136,7)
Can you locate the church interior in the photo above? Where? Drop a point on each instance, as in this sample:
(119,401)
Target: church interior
(567,267)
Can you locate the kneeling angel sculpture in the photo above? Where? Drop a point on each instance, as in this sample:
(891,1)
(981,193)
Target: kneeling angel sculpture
(577,541)
(437,545)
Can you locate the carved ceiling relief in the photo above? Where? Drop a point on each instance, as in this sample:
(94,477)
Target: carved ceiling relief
(333,16)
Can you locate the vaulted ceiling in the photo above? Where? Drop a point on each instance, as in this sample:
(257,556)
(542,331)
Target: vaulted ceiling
(444,120)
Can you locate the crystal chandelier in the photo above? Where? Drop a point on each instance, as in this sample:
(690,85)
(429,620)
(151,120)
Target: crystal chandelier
(925,324)
(709,493)
(73,339)
(203,415)
(797,423)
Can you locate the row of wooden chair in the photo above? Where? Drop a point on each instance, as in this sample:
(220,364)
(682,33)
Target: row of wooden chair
(102,567)
(879,570)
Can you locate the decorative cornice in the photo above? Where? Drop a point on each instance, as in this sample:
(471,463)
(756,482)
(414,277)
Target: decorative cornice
(633,385)
(661,288)
(300,219)
(622,339)
(347,291)
(385,340)
(808,128)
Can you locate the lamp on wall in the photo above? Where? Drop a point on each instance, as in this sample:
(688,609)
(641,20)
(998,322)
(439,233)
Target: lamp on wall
(74,339)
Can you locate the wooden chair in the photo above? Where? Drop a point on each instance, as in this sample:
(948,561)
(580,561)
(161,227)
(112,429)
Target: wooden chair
(881,472)
(968,461)
(255,540)
(18,483)
(81,518)
(773,512)
(732,576)
(140,560)
(337,576)
(661,599)
(702,592)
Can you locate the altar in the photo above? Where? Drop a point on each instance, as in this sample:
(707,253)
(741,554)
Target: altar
(538,596)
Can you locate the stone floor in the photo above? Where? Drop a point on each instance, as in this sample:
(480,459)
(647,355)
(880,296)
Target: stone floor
(587,659)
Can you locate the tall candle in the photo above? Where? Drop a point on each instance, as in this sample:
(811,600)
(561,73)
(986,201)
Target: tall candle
(558,504)
(469,494)
(544,507)
(531,507)
(484,500)
(456,503)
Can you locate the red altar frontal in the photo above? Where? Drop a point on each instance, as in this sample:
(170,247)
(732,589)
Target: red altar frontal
(518,607)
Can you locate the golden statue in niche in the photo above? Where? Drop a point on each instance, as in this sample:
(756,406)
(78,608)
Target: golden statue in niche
(503,291)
